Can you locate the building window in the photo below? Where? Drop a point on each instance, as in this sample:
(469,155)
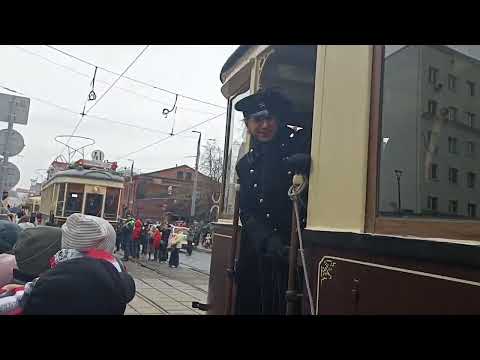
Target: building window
(188,176)
(471,88)
(453,206)
(180,175)
(434,171)
(432,107)
(452,113)
(470,148)
(470,119)
(452,145)
(453,175)
(452,82)
(471,179)
(432,142)
(472,210)
(433,203)
(432,75)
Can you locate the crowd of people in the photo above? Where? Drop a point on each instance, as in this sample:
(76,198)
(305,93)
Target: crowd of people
(152,241)
(68,270)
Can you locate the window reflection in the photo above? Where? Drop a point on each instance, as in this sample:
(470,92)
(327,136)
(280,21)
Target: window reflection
(238,146)
(430,105)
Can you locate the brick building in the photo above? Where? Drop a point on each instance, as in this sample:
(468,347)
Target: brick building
(167,194)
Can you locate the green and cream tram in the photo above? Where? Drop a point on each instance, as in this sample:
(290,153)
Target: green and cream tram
(85,191)
(393,218)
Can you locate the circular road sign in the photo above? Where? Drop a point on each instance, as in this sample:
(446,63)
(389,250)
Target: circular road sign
(15,142)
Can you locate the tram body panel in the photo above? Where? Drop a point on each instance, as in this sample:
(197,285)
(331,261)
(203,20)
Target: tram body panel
(368,274)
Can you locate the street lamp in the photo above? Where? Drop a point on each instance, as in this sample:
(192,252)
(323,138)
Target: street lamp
(194,193)
(130,189)
(398,174)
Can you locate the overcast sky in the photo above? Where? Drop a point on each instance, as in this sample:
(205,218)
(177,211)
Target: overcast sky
(190,70)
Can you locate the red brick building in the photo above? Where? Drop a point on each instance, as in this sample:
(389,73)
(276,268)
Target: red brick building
(167,194)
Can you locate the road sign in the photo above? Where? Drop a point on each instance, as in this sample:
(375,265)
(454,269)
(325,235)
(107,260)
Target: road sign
(15,142)
(14,107)
(98,155)
(12,175)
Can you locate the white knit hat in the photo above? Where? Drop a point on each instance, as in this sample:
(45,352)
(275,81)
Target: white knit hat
(84,232)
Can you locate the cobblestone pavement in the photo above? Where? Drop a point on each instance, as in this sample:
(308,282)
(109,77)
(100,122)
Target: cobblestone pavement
(162,290)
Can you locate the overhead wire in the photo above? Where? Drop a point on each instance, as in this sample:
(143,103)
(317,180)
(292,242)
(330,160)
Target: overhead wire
(169,137)
(136,80)
(101,118)
(106,91)
(108,83)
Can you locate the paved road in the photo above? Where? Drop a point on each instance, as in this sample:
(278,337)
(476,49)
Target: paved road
(162,290)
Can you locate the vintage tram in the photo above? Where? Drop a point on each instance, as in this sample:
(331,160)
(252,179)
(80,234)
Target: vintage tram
(78,190)
(392,216)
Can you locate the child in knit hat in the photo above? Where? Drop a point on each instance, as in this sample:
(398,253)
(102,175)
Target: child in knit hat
(85,278)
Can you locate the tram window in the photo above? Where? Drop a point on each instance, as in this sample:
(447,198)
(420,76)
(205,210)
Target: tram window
(74,200)
(60,200)
(238,146)
(417,101)
(111,203)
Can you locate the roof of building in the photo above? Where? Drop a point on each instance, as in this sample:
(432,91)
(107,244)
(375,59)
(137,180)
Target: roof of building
(159,172)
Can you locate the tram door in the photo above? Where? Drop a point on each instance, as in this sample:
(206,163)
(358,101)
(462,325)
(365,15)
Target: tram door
(93,204)
(290,70)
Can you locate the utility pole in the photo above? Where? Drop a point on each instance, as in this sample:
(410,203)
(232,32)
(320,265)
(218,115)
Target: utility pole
(195,181)
(398,174)
(130,190)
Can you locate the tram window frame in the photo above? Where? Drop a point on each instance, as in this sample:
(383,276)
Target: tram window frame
(455,229)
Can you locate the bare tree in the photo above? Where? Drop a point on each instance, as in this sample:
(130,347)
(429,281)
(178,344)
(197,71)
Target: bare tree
(211,161)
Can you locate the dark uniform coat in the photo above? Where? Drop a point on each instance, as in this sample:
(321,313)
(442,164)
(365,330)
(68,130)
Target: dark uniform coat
(265,177)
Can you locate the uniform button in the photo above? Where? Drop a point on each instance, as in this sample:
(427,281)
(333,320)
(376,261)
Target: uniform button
(251,150)
(289,173)
(260,200)
(252,171)
(283,145)
(275,229)
(268,215)
(255,185)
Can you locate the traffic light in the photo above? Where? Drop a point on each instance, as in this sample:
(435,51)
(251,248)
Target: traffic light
(4,195)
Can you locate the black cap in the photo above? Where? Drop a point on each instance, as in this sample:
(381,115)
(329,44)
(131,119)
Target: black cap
(34,248)
(265,102)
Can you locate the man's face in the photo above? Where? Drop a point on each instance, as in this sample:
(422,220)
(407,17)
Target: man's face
(263,129)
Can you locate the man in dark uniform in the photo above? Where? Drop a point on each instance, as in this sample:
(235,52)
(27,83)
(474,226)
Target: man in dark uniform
(265,175)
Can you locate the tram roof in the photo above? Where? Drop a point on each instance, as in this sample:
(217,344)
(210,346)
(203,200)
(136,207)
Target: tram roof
(237,54)
(89,174)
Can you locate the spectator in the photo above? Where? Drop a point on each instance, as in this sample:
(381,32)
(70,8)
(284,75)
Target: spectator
(137,232)
(25,223)
(85,278)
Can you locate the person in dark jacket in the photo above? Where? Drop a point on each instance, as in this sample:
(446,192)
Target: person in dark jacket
(163,253)
(265,175)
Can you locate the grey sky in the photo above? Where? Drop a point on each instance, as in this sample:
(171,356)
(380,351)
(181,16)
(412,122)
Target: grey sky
(190,70)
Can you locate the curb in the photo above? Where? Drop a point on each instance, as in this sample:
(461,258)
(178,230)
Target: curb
(189,267)
(203,250)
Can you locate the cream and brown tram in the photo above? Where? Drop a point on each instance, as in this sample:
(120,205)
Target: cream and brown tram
(393,218)
(79,190)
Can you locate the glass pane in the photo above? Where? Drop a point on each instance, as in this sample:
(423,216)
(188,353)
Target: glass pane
(428,159)
(238,146)
(60,200)
(111,203)
(74,199)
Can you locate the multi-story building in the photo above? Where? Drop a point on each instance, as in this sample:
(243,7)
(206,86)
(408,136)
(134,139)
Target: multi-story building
(431,132)
(167,194)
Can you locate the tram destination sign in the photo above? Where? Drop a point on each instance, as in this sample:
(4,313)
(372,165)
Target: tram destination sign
(14,108)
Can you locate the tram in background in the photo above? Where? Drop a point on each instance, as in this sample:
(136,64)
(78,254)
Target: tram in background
(81,189)
(393,224)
